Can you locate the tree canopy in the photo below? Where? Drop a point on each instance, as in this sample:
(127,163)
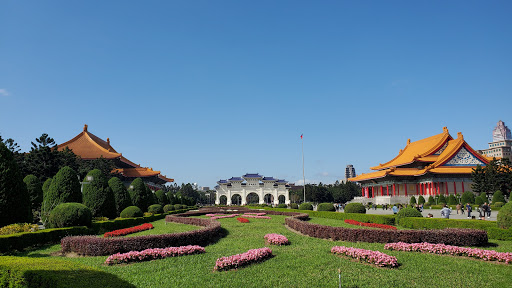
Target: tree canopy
(497,175)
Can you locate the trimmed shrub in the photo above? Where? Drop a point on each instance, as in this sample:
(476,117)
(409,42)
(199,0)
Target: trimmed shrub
(35,191)
(413,200)
(504,218)
(18,228)
(64,188)
(441,200)
(14,197)
(98,196)
(131,212)
(306,206)
(421,200)
(355,208)
(151,196)
(69,215)
(480,199)
(498,197)
(46,185)
(155,209)
(431,200)
(121,196)
(177,206)
(168,207)
(20,241)
(282,205)
(161,198)
(294,206)
(326,207)
(138,194)
(407,212)
(468,197)
(497,204)
(452,200)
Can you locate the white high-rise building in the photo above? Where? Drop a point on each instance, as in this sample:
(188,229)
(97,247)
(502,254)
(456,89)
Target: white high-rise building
(350,172)
(501,145)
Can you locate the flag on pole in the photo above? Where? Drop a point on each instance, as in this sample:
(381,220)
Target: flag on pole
(301,136)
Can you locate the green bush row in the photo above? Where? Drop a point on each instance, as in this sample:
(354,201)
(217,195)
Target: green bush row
(20,241)
(45,272)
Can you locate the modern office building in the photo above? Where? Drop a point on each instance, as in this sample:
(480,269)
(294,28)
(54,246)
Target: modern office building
(350,172)
(501,145)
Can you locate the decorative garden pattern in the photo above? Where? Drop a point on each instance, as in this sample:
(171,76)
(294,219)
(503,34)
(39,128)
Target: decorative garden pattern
(122,232)
(276,239)
(374,225)
(152,254)
(373,257)
(244,259)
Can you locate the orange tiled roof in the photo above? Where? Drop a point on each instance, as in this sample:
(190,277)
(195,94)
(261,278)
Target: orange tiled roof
(416,150)
(141,172)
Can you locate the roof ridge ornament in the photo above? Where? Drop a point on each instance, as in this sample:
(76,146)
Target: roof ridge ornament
(445,129)
(459,136)
(408,141)
(85,127)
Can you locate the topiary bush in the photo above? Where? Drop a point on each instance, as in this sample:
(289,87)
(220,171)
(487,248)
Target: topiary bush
(421,200)
(306,206)
(413,200)
(161,198)
(131,212)
(355,208)
(282,205)
(479,200)
(468,197)
(294,206)
(431,200)
(177,206)
(139,194)
(407,212)
(441,200)
(168,207)
(325,207)
(504,218)
(498,204)
(64,188)
(452,200)
(155,209)
(121,196)
(69,215)
(98,196)
(498,197)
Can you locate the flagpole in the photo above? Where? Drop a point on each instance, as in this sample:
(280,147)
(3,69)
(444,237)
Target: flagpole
(303,177)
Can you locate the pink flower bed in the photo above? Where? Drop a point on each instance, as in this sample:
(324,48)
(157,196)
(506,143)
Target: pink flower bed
(152,254)
(122,232)
(486,255)
(276,239)
(225,216)
(374,225)
(240,260)
(256,216)
(373,257)
(213,215)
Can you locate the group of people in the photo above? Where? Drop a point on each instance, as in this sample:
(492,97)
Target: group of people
(483,211)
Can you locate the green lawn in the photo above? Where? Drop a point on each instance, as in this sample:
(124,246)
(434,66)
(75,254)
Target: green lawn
(307,262)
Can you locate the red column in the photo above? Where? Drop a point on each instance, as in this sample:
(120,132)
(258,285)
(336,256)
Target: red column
(405,184)
(422,187)
(381,191)
(394,190)
(438,189)
(462,187)
(373,191)
(454,188)
(431,189)
(417,189)
(387,190)
(362,191)
(398,190)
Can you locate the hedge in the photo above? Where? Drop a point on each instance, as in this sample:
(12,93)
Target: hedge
(20,241)
(94,246)
(367,218)
(55,273)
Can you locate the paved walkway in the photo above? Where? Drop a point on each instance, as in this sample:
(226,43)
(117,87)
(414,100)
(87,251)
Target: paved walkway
(435,212)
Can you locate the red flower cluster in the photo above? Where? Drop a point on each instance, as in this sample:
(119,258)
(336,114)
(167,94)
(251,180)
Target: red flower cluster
(122,232)
(374,225)
(242,220)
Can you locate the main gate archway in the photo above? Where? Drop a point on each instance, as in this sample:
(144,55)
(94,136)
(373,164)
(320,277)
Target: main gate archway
(268,199)
(236,199)
(253,198)
(223,200)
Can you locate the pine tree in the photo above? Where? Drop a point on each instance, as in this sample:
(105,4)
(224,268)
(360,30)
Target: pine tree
(98,196)
(161,198)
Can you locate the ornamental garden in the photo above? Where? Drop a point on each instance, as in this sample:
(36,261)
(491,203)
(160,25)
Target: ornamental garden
(142,244)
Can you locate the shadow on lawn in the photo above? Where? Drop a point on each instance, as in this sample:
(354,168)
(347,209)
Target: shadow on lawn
(74,278)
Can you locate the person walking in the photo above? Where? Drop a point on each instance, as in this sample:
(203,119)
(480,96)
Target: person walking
(469,209)
(459,209)
(445,212)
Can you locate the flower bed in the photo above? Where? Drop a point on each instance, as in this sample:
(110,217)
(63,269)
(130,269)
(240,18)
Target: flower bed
(225,216)
(256,216)
(276,239)
(240,260)
(152,254)
(126,231)
(374,225)
(486,255)
(242,220)
(373,257)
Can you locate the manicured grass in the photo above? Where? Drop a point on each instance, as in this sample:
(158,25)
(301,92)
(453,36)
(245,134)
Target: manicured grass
(160,227)
(306,262)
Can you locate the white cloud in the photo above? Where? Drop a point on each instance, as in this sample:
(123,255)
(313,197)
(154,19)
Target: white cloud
(3,92)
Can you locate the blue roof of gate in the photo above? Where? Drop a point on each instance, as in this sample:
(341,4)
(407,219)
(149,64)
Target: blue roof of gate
(269,179)
(252,175)
(222,181)
(236,179)
(282,181)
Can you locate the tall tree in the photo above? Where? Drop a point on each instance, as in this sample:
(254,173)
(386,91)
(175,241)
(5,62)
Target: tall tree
(43,160)
(35,192)
(121,196)
(138,194)
(497,175)
(65,187)
(98,196)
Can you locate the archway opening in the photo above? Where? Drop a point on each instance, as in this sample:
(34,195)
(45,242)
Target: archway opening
(253,198)
(281,199)
(268,199)
(223,200)
(236,199)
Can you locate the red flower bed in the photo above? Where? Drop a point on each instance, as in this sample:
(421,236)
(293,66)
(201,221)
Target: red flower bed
(374,225)
(242,220)
(122,232)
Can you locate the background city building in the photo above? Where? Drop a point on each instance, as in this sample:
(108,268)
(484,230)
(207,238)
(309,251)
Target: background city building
(501,144)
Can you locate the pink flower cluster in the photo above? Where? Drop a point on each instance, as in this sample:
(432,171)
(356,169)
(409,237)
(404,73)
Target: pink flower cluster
(122,232)
(487,255)
(152,254)
(373,257)
(213,215)
(225,216)
(256,216)
(239,260)
(374,225)
(276,239)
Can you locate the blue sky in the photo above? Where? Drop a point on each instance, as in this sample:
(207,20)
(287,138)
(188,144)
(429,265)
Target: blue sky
(207,90)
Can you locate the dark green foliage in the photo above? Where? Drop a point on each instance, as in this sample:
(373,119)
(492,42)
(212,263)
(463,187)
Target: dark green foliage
(106,166)
(161,198)
(139,194)
(69,215)
(168,207)
(355,208)
(151,196)
(468,197)
(497,175)
(479,200)
(306,206)
(21,241)
(282,205)
(177,206)
(46,185)
(155,209)
(121,196)
(421,200)
(498,197)
(442,199)
(35,190)
(294,206)
(98,196)
(497,204)
(431,200)
(504,218)
(14,197)
(452,200)
(131,212)
(407,212)
(413,200)
(64,188)
(325,207)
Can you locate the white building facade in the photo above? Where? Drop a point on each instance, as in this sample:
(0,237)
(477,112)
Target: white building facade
(252,189)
